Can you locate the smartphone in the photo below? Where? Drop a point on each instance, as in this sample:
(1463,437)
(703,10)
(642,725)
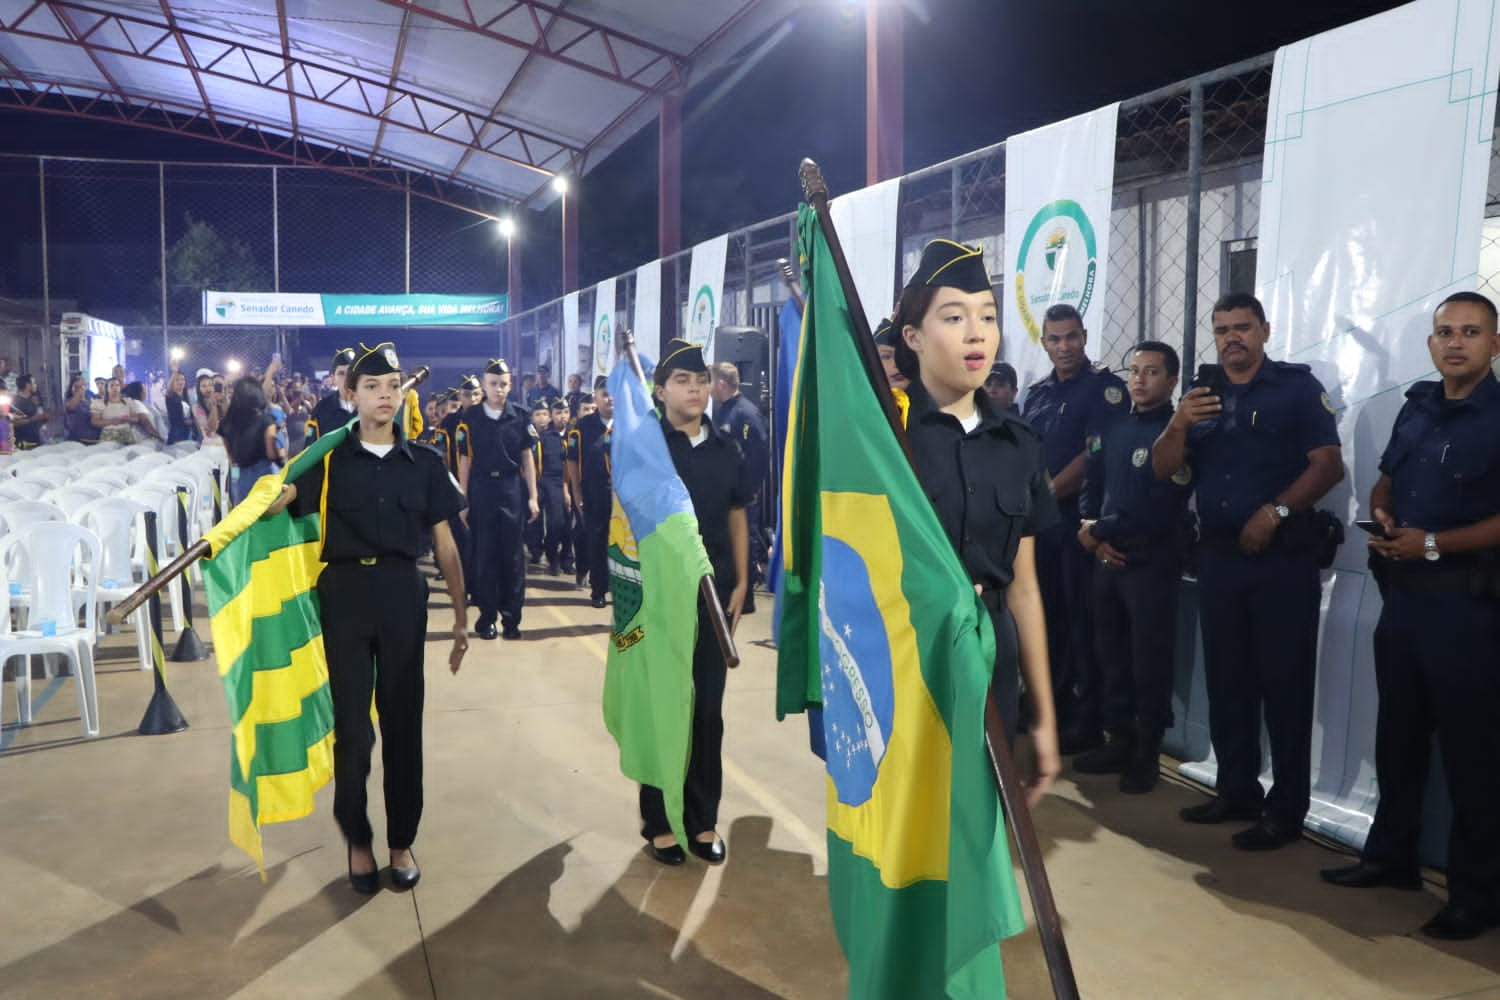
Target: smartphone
(1210,377)
(1373,527)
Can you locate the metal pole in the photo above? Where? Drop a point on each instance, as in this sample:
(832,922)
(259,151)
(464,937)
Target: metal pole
(1140,275)
(1194,213)
(162,714)
(189,646)
(41,178)
(408,235)
(161,221)
(275,230)
(955,201)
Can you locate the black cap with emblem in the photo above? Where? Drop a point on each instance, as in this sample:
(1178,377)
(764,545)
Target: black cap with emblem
(681,355)
(378,360)
(343,356)
(952,265)
(467,382)
(497,366)
(885,333)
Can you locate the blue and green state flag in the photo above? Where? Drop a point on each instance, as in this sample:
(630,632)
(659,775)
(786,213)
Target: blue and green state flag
(268,641)
(882,629)
(656,558)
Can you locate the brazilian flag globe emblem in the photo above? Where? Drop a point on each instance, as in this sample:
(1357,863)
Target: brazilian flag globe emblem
(881,629)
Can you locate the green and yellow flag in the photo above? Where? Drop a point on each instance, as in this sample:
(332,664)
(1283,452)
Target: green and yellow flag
(268,642)
(881,628)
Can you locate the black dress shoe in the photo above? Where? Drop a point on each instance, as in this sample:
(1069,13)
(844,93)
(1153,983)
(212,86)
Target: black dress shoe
(365,883)
(715,853)
(748,608)
(1456,922)
(672,854)
(486,630)
(512,632)
(1079,739)
(598,602)
(405,878)
(1266,835)
(1368,876)
(1219,810)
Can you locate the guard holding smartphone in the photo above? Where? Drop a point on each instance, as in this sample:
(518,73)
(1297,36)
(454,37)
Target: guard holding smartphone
(1263,449)
(1437,557)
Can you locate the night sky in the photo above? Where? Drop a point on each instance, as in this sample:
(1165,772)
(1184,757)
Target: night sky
(975,72)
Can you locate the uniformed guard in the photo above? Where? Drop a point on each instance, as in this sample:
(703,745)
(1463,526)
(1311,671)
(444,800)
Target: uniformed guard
(335,408)
(590,481)
(885,346)
(1437,557)
(378,492)
(1071,407)
(1264,449)
(544,389)
(562,425)
(466,394)
(1132,526)
(497,472)
(738,419)
(713,469)
(982,469)
(544,534)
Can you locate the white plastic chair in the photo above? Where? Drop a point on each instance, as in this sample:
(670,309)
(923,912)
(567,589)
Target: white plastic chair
(73,496)
(113,477)
(21,489)
(55,553)
(50,476)
(20,513)
(118,524)
(162,498)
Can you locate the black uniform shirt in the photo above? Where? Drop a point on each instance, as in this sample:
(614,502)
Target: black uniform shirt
(495,446)
(739,420)
(1444,458)
(1069,415)
(549,392)
(987,485)
(328,416)
(1131,508)
(714,474)
(588,445)
(377,506)
(451,442)
(548,452)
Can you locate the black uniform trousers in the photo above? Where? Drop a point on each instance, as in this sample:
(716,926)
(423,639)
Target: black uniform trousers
(1005,681)
(1135,636)
(704,784)
(753,516)
(544,536)
(1064,571)
(594,556)
(1259,616)
(1435,670)
(463,541)
(374,629)
(497,519)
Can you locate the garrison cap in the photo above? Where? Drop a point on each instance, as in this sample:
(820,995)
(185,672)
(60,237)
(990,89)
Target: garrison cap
(344,356)
(953,265)
(497,366)
(682,354)
(885,333)
(378,360)
(467,382)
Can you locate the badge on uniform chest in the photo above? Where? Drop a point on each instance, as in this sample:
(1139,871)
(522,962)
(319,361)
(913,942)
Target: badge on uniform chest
(1139,456)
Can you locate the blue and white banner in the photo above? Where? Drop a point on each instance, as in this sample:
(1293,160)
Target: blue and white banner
(645,321)
(602,335)
(866,224)
(705,304)
(1372,202)
(1059,185)
(575,354)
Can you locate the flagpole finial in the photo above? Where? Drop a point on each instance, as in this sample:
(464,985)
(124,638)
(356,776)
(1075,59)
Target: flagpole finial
(811,176)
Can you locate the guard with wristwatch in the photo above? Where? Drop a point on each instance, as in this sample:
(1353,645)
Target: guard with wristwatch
(1435,552)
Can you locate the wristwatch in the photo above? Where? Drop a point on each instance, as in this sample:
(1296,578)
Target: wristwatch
(1282,511)
(1429,544)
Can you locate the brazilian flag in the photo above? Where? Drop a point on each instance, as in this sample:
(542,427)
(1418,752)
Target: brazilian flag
(656,558)
(268,641)
(881,628)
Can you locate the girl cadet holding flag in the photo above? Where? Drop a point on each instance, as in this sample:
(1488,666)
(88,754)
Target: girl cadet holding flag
(378,492)
(713,470)
(982,469)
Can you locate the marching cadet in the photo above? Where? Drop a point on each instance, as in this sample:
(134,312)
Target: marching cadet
(1069,408)
(497,472)
(379,492)
(544,534)
(465,395)
(1436,554)
(562,426)
(885,346)
(713,470)
(738,419)
(1264,449)
(335,408)
(590,483)
(1131,523)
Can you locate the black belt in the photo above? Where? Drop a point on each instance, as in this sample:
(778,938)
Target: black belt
(372,561)
(993,599)
(1432,581)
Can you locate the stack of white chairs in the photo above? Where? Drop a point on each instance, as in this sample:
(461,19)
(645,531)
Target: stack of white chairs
(21,489)
(161,497)
(118,523)
(56,556)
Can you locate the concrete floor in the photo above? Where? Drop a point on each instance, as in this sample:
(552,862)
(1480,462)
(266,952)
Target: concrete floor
(119,879)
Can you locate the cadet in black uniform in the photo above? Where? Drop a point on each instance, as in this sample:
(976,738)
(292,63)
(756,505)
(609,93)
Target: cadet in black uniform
(1263,448)
(562,425)
(544,534)
(1070,408)
(589,477)
(336,408)
(497,472)
(738,419)
(465,395)
(885,346)
(713,470)
(1131,523)
(1438,562)
(982,469)
(378,492)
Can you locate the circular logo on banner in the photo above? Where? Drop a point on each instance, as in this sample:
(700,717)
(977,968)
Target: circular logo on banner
(603,346)
(854,653)
(1057,263)
(701,321)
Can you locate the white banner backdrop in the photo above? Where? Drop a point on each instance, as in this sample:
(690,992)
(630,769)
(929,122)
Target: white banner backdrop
(866,224)
(571,360)
(646,315)
(1059,185)
(706,293)
(1372,203)
(602,332)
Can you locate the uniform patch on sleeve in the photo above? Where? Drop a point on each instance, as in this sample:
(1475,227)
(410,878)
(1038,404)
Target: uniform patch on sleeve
(1183,476)
(1328,403)
(531,429)
(1095,444)
(1113,395)
(1139,456)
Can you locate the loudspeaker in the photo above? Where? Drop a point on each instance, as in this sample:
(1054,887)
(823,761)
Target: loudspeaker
(748,349)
